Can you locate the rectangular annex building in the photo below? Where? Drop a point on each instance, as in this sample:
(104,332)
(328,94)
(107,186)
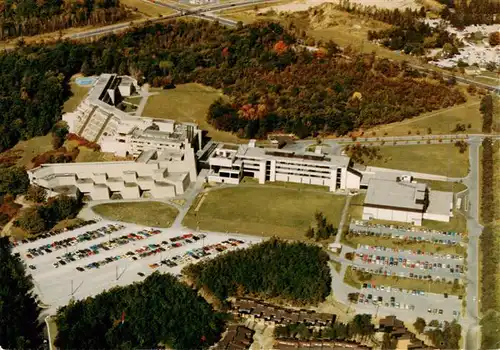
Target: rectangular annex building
(229,163)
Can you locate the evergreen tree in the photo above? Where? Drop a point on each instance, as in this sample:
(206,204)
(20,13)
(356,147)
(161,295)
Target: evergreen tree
(19,312)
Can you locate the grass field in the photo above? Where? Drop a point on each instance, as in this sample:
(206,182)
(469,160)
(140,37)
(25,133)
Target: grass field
(147,9)
(187,103)
(154,214)
(291,185)
(67,223)
(441,122)
(52,330)
(352,278)
(30,148)
(439,159)
(444,185)
(336,265)
(79,93)
(353,241)
(356,207)
(266,211)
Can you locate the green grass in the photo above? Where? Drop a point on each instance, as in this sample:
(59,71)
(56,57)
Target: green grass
(439,159)
(187,103)
(265,211)
(52,330)
(336,265)
(442,121)
(444,185)
(283,184)
(147,9)
(353,278)
(67,223)
(356,207)
(79,93)
(30,148)
(354,240)
(154,214)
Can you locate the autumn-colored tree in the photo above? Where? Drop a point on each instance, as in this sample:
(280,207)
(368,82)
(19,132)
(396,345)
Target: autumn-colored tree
(280,47)
(494,38)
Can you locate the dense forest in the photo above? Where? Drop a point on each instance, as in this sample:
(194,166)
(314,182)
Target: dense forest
(28,17)
(297,273)
(160,311)
(463,13)
(273,83)
(19,311)
(489,245)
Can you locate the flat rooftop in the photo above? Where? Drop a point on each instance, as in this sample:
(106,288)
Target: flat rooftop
(395,194)
(440,202)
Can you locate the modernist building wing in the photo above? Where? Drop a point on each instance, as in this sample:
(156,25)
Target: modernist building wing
(164,150)
(229,163)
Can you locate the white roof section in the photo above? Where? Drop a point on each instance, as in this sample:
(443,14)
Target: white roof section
(291,156)
(396,194)
(440,203)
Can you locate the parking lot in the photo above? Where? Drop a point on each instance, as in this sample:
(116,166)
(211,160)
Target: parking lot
(414,234)
(106,254)
(403,263)
(386,300)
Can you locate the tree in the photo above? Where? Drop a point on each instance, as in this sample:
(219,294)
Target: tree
(13,180)
(419,324)
(36,194)
(494,38)
(19,314)
(434,323)
(310,232)
(388,343)
(31,221)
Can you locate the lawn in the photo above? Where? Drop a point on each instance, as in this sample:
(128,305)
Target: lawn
(52,330)
(439,159)
(442,121)
(67,223)
(283,184)
(336,265)
(265,211)
(356,207)
(354,240)
(444,185)
(353,278)
(28,149)
(78,94)
(147,9)
(154,214)
(187,103)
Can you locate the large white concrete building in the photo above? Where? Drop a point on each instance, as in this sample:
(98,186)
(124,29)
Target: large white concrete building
(405,201)
(229,163)
(164,150)
(151,175)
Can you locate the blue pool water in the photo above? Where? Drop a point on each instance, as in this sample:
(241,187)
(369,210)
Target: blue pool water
(85,81)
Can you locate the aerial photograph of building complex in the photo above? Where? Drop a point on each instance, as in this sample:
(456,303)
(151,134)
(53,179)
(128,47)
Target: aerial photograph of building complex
(250,174)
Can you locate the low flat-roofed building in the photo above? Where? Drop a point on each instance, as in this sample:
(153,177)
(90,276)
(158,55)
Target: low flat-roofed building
(230,163)
(406,201)
(395,201)
(145,177)
(440,206)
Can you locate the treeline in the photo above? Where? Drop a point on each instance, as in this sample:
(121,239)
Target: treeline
(27,17)
(19,312)
(486,109)
(273,84)
(43,217)
(467,12)
(158,312)
(360,326)
(489,246)
(409,32)
(294,272)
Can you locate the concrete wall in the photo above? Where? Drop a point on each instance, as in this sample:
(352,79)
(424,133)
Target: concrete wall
(218,179)
(437,217)
(353,180)
(392,215)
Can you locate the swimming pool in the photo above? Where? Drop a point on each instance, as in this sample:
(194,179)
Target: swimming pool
(85,81)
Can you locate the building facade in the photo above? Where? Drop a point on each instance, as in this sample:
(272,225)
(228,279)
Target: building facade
(149,176)
(229,163)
